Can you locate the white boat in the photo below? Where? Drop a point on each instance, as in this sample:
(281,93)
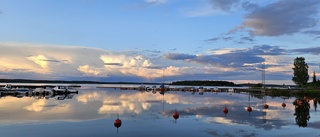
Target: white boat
(63,89)
(6,87)
(230,90)
(201,90)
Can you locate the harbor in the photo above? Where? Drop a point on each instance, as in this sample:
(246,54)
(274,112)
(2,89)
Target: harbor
(58,92)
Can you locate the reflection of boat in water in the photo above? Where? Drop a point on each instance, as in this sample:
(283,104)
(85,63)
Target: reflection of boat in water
(63,89)
(39,93)
(201,90)
(142,88)
(162,89)
(154,88)
(21,92)
(6,87)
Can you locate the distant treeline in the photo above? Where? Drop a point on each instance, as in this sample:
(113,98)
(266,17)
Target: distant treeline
(65,82)
(43,81)
(204,83)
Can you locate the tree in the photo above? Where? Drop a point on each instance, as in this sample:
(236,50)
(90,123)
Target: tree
(300,71)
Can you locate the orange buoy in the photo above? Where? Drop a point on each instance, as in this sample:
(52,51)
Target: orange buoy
(265,106)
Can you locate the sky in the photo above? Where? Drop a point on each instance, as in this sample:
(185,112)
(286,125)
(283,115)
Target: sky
(158,40)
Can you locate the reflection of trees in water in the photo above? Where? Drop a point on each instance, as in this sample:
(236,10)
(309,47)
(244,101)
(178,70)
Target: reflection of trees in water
(315,104)
(302,108)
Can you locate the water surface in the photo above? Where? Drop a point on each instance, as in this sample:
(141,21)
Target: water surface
(92,113)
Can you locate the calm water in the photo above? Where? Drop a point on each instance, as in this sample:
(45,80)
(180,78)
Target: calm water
(92,113)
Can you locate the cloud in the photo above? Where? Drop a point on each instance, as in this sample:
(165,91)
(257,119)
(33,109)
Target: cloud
(311,50)
(313,32)
(284,17)
(230,58)
(89,70)
(155,2)
(248,6)
(225,5)
(178,56)
(250,39)
(113,64)
(35,61)
(214,7)
(54,62)
(215,39)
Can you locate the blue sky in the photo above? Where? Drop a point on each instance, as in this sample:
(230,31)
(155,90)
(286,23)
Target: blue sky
(144,40)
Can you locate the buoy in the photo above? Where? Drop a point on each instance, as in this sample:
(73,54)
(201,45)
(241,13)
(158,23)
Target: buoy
(265,106)
(117,123)
(249,109)
(225,110)
(175,115)
(284,105)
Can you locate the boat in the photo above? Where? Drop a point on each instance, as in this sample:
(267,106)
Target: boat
(21,92)
(201,90)
(154,88)
(63,89)
(6,87)
(142,88)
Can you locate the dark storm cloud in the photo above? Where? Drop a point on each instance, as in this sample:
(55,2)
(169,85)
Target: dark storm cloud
(235,58)
(282,17)
(224,5)
(312,50)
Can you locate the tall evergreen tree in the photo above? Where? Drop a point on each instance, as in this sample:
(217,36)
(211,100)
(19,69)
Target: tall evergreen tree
(300,71)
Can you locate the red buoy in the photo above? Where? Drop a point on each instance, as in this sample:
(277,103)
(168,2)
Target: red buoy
(175,115)
(225,110)
(284,104)
(117,123)
(249,109)
(265,106)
